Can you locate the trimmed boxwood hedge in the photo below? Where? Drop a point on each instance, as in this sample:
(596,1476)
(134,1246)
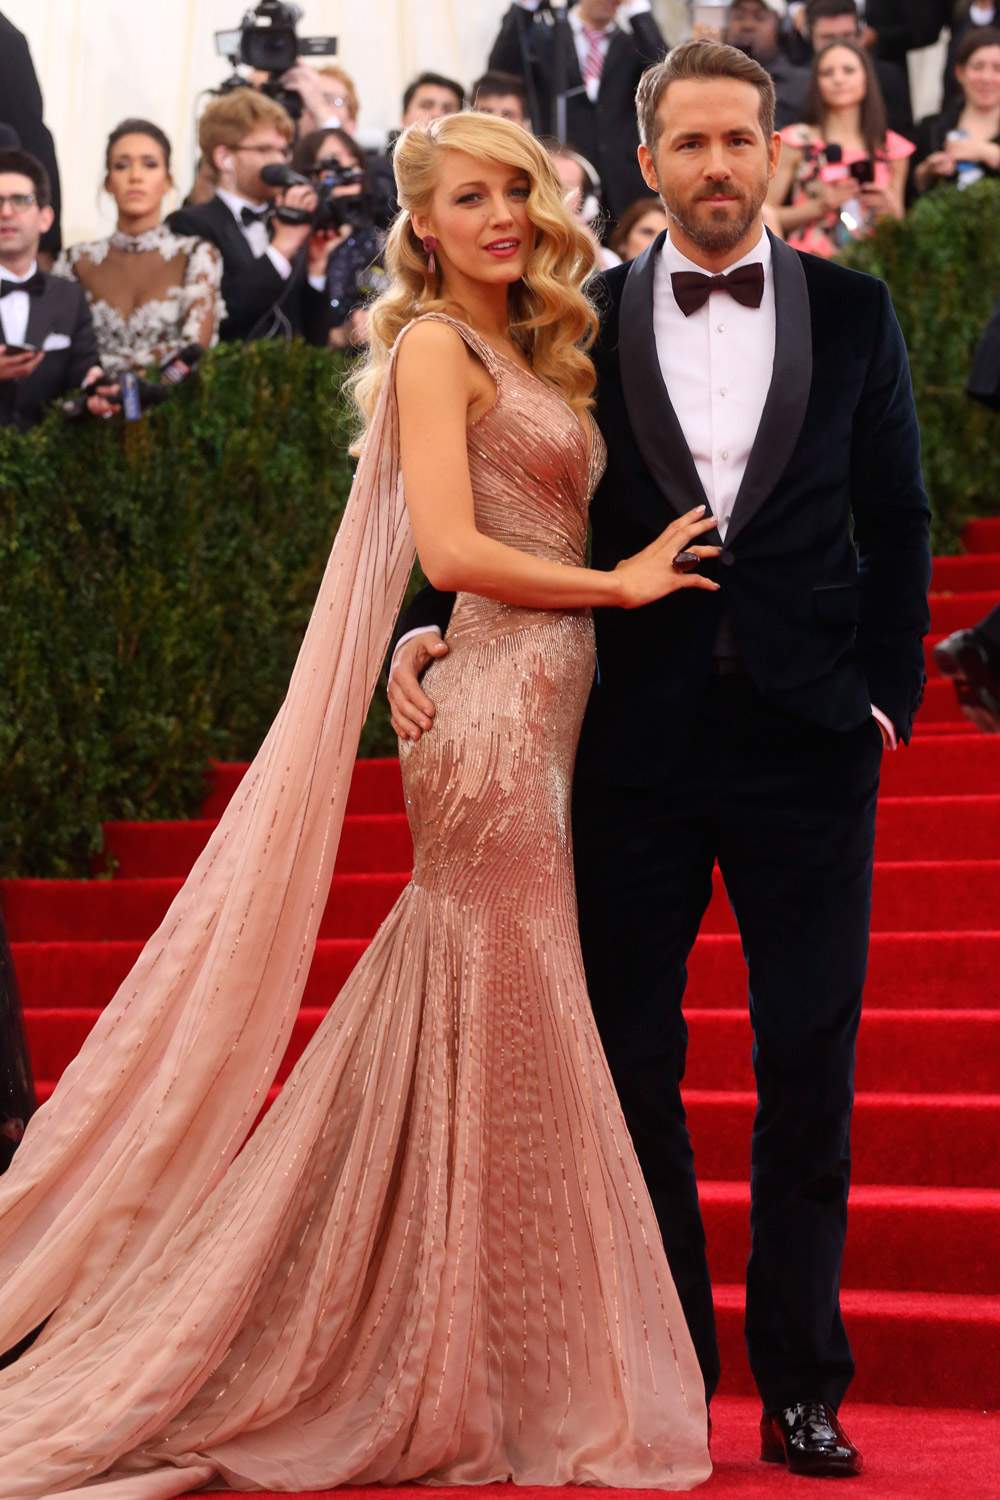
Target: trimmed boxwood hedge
(942,265)
(156,577)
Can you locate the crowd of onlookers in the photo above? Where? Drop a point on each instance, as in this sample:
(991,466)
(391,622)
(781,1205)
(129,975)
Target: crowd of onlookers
(280,231)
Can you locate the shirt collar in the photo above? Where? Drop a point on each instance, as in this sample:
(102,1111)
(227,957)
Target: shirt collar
(236,204)
(9,275)
(673,260)
(576,21)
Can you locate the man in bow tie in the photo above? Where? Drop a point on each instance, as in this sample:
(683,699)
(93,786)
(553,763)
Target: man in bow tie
(47,342)
(745,726)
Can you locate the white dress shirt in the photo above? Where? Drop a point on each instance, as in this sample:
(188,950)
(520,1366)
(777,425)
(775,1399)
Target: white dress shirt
(625,12)
(717,367)
(14,308)
(255,234)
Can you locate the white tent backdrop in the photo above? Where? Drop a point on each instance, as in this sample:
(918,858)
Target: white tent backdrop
(101,60)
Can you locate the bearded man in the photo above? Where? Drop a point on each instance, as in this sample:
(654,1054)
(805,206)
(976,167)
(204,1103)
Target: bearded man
(745,726)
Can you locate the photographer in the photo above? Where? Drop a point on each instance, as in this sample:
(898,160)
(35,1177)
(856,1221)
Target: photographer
(47,342)
(841,168)
(344,242)
(264,283)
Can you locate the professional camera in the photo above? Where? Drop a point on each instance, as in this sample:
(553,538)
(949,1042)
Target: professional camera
(266,39)
(334,209)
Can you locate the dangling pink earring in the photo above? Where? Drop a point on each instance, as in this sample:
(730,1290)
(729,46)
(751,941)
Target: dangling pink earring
(430,245)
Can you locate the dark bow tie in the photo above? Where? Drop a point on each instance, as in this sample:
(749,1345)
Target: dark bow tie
(34,286)
(692,289)
(253,216)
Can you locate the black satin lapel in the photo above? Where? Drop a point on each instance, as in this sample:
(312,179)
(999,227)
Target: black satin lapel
(39,319)
(650,412)
(788,395)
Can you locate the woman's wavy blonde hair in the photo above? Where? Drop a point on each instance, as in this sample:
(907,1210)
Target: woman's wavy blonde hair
(549,314)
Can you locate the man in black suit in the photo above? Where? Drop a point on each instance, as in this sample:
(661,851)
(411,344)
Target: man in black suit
(47,342)
(745,726)
(265,283)
(600,64)
(21,110)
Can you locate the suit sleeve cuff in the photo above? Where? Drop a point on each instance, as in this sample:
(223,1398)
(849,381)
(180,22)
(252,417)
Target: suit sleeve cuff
(280,262)
(420,630)
(893,741)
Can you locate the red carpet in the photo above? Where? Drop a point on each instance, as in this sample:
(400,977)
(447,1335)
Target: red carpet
(922,1272)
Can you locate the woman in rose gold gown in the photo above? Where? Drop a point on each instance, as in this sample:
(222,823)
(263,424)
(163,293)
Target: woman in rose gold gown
(435,1258)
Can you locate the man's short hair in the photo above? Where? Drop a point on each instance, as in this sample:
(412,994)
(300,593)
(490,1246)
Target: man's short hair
(24,164)
(229,120)
(700,59)
(497,85)
(433,80)
(824,10)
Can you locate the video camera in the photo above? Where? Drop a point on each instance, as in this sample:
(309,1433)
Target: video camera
(334,209)
(267,40)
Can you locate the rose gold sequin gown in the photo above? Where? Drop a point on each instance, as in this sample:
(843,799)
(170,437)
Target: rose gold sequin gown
(436,1258)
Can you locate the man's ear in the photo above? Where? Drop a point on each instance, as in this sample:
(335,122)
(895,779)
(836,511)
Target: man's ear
(647,168)
(222,159)
(773,154)
(46,219)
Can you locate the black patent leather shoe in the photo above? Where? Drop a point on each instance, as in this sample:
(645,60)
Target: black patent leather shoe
(965,657)
(810,1440)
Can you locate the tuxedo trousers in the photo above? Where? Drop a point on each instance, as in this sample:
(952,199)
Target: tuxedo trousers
(788,810)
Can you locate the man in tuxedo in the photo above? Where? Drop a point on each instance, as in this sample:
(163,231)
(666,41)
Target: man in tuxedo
(745,726)
(588,51)
(47,342)
(265,283)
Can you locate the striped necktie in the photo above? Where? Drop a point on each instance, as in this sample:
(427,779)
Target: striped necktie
(593,63)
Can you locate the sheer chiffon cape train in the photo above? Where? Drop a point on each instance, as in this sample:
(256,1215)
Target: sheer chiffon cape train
(434,1258)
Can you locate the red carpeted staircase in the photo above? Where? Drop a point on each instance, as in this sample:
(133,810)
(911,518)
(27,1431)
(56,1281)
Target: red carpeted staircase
(922,1273)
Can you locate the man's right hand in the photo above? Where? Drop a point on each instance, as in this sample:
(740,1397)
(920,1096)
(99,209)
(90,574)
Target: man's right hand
(412,710)
(17,366)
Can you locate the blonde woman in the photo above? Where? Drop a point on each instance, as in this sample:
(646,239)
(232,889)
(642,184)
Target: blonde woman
(435,1259)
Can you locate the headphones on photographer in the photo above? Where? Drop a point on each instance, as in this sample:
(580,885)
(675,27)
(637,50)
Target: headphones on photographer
(590,207)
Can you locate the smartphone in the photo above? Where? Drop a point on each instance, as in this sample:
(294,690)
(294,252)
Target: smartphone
(18,349)
(863,171)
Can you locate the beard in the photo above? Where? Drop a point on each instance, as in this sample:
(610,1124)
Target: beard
(723,229)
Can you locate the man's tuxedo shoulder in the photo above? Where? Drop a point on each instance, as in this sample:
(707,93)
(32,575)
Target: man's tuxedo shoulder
(202,219)
(829,282)
(64,293)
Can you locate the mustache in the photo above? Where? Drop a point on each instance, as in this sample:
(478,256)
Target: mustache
(718,192)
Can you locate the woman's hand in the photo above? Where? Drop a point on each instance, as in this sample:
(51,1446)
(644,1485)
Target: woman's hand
(985,152)
(939,164)
(651,574)
(835,194)
(322,243)
(878,201)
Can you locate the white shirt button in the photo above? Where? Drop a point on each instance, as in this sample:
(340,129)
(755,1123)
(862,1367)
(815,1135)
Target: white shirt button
(723,390)
(725,452)
(722,327)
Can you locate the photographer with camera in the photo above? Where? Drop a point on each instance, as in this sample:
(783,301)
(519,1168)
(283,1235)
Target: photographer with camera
(344,243)
(264,283)
(841,168)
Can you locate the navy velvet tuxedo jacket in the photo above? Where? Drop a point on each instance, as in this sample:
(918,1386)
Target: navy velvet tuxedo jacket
(826,562)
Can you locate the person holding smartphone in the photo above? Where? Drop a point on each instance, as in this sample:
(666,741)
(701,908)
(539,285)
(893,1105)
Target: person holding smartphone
(47,342)
(841,168)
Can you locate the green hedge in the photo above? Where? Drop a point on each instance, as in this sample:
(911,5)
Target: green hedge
(156,578)
(942,264)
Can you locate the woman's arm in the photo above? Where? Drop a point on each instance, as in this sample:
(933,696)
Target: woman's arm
(203,279)
(438,383)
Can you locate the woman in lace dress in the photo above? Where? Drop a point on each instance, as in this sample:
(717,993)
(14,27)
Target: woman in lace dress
(150,291)
(435,1258)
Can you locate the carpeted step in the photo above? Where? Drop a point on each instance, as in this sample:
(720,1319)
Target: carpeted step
(955,765)
(898,1238)
(908,828)
(967,574)
(933,895)
(982,535)
(905,1344)
(940,705)
(958,611)
(370,843)
(916,1140)
(899,1051)
(925,1052)
(376,787)
(906,970)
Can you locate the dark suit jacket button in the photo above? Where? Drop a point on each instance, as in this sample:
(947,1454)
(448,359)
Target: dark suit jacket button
(727,559)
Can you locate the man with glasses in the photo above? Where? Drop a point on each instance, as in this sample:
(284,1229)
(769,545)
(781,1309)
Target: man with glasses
(264,285)
(47,343)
